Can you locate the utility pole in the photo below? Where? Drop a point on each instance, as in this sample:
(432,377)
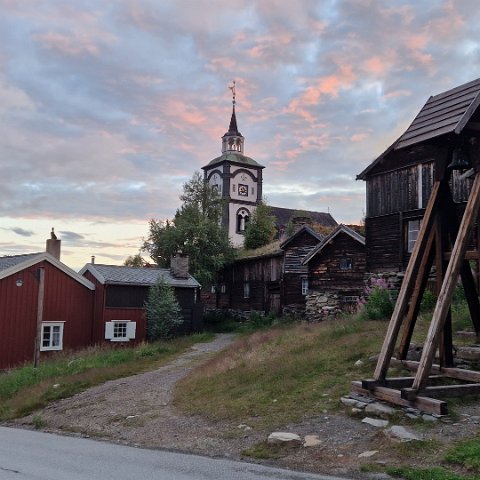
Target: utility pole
(41,295)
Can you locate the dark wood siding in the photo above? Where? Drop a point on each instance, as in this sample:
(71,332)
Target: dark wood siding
(263,275)
(326,274)
(294,271)
(383,243)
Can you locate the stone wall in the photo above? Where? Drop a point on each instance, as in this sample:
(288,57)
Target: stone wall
(322,305)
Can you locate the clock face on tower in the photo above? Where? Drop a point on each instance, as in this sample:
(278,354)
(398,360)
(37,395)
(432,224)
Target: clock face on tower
(243,190)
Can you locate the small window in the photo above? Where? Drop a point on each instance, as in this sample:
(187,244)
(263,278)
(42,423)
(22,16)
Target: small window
(304,286)
(213,289)
(233,187)
(223,288)
(246,290)
(350,299)
(413,227)
(52,336)
(120,330)
(346,264)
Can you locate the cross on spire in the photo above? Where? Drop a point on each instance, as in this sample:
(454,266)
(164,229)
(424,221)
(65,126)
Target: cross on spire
(232,88)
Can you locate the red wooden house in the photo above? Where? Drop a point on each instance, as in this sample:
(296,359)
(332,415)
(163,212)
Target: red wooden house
(66,319)
(121,293)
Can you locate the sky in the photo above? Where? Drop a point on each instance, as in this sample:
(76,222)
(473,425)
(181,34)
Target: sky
(107,108)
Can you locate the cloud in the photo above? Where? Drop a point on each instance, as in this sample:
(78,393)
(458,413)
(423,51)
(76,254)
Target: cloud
(22,232)
(106,109)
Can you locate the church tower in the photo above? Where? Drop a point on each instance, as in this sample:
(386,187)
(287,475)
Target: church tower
(237,178)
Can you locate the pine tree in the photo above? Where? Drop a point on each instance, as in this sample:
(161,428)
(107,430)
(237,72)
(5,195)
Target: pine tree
(162,311)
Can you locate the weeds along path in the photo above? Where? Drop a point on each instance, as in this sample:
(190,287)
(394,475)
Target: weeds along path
(137,410)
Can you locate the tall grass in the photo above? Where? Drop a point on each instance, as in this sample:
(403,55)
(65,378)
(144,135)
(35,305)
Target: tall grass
(275,376)
(25,389)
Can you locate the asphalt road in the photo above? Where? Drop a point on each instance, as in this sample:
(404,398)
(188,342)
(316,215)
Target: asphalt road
(32,455)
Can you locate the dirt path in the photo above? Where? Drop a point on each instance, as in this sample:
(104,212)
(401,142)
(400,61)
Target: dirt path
(137,410)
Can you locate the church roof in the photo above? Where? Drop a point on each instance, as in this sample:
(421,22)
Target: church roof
(232,128)
(236,157)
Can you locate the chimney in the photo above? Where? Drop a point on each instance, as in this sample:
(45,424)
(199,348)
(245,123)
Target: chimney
(179,265)
(53,245)
(92,259)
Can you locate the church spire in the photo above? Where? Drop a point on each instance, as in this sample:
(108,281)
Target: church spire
(233,140)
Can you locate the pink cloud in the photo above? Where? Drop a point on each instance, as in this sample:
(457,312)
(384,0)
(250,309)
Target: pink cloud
(71,45)
(398,93)
(329,85)
(359,137)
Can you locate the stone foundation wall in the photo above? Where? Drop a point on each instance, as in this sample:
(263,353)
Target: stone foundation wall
(392,279)
(322,305)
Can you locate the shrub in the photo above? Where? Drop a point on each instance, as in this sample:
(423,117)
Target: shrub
(162,310)
(378,302)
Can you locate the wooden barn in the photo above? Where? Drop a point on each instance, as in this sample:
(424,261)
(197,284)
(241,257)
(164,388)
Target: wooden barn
(295,274)
(423,197)
(337,265)
(121,293)
(42,302)
(251,284)
(399,182)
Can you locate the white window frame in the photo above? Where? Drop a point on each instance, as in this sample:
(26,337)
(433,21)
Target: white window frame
(112,327)
(304,286)
(51,346)
(413,228)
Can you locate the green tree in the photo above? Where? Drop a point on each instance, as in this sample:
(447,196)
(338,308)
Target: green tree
(162,311)
(261,227)
(196,230)
(134,261)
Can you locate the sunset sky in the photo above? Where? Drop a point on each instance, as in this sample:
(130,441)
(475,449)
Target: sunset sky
(108,107)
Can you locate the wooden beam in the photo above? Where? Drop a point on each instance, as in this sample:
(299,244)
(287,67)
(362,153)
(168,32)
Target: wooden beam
(456,373)
(407,286)
(425,404)
(448,286)
(417,294)
(444,391)
(466,274)
(399,382)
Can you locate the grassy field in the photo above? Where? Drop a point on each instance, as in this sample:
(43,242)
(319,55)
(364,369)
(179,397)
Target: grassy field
(25,389)
(277,375)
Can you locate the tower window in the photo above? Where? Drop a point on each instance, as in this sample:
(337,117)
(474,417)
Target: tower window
(243,217)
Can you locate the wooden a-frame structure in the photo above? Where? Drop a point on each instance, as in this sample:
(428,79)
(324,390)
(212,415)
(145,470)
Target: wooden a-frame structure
(448,124)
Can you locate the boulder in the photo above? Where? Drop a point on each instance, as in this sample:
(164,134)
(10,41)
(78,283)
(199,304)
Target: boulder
(397,432)
(285,437)
(375,422)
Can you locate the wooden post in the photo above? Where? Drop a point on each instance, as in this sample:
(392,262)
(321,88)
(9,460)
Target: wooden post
(407,286)
(41,296)
(414,308)
(448,286)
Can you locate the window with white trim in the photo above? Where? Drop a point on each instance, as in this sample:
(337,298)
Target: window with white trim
(413,227)
(304,286)
(120,330)
(52,336)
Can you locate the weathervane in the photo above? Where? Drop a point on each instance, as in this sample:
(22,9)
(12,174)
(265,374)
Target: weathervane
(232,88)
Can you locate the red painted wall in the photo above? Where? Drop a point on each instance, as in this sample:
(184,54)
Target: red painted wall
(65,300)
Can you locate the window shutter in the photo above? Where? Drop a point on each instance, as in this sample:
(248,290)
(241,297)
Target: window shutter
(131,327)
(108,330)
